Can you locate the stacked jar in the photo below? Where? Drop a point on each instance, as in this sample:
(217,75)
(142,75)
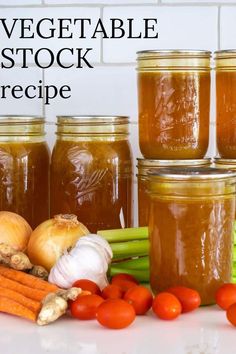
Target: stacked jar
(174,108)
(225,68)
(189,207)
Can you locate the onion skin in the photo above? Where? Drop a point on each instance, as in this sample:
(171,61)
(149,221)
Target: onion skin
(14,230)
(54,237)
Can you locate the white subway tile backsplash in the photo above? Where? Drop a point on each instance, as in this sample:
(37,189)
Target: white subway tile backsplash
(111,2)
(228,27)
(102,90)
(47,27)
(179,27)
(23,77)
(20,2)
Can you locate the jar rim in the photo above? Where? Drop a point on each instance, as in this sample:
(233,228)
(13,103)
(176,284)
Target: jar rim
(222,161)
(193,174)
(92,120)
(165,163)
(21,119)
(177,52)
(225,53)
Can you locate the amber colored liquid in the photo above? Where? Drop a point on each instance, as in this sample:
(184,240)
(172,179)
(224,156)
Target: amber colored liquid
(143,202)
(226,113)
(24,180)
(174,114)
(93,180)
(191,244)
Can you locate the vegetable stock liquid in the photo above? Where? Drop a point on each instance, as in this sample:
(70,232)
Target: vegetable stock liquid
(93,180)
(191,243)
(24,180)
(174,114)
(226,113)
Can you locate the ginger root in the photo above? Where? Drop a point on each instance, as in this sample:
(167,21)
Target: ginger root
(20,261)
(39,272)
(56,304)
(14,259)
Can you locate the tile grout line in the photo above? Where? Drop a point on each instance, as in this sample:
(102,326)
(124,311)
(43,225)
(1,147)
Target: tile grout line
(99,5)
(96,64)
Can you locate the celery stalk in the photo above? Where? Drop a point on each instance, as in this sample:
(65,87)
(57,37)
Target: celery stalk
(129,249)
(128,234)
(141,275)
(140,263)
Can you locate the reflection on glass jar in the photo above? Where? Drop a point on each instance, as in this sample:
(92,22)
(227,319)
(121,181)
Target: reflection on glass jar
(190,228)
(226,103)
(24,168)
(145,166)
(91,171)
(174,104)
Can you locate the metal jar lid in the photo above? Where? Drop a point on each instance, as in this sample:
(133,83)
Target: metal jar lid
(178,59)
(192,174)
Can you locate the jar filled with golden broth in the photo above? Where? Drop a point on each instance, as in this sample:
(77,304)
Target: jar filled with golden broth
(174,103)
(144,167)
(191,229)
(91,171)
(225,66)
(24,168)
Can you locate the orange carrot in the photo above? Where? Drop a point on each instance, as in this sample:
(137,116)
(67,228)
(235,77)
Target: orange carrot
(27,279)
(14,308)
(31,293)
(33,305)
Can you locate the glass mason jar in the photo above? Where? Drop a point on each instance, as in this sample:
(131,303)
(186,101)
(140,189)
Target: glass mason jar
(24,168)
(225,66)
(174,103)
(144,166)
(227,164)
(91,171)
(191,229)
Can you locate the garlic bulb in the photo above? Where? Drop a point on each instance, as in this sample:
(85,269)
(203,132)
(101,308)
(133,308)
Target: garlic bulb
(89,259)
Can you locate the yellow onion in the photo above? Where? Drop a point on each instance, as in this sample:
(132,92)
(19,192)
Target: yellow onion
(53,237)
(14,230)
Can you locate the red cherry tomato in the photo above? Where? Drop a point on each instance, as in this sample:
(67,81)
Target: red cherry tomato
(124,284)
(189,298)
(112,291)
(140,298)
(115,313)
(166,306)
(85,307)
(226,295)
(231,314)
(123,276)
(89,285)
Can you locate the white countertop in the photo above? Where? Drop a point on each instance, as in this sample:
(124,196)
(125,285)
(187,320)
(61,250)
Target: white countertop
(205,331)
